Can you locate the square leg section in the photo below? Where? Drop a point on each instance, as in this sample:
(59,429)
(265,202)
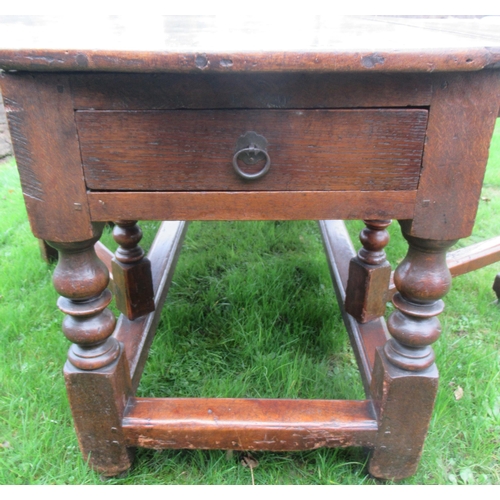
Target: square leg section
(404,402)
(98,399)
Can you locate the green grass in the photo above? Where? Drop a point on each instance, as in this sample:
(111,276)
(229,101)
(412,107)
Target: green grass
(251,313)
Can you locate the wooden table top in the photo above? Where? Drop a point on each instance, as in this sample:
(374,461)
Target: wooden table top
(230,44)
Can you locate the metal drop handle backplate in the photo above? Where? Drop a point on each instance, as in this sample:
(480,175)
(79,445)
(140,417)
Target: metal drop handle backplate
(251,148)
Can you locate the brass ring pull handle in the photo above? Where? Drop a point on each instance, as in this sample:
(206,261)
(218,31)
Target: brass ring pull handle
(251,148)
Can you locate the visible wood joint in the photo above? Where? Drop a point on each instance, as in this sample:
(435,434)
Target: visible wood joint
(369,274)
(132,277)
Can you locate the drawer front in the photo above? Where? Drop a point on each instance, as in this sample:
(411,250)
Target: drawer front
(309,150)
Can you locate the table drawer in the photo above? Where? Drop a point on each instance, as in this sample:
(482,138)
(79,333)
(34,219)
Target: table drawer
(309,150)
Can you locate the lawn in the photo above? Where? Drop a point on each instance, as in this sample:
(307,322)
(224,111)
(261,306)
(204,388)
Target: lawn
(251,313)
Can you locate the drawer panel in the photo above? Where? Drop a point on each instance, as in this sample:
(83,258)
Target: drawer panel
(316,150)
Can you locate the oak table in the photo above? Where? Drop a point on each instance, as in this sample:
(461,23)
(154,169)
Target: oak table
(179,119)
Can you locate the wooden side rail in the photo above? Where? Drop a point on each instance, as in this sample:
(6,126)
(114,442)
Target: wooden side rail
(105,255)
(248,424)
(365,337)
(138,335)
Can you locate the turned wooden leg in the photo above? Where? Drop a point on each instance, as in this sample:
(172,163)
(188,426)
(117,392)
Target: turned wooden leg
(133,282)
(96,373)
(369,274)
(405,377)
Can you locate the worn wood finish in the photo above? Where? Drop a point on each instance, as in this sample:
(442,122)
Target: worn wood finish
(365,337)
(97,399)
(405,371)
(264,205)
(367,61)
(47,155)
(252,43)
(404,401)
(462,116)
(465,260)
(105,255)
(310,150)
(421,279)
(357,129)
(49,254)
(133,285)
(369,274)
(138,335)
(122,91)
(96,372)
(248,424)
(81,279)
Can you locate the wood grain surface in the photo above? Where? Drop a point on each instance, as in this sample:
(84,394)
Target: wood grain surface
(42,126)
(462,117)
(365,337)
(302,90)
(248,424)
(252,205)
(320,150)
(250,43)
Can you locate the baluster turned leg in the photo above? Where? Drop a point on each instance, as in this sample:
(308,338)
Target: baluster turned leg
(132,278)
(96,373)
(369,274)
(405,377)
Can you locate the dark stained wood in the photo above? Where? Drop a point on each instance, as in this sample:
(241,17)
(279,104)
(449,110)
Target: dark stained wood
(81,279)
(264,205)
(49,254)
(139,61)
(248,424)
(105,255)
(404,402)
(405,378)
(96,372)
(133,284)
(47,157)
(138,335)
(310,150)
(461,120)
(97,399)
(421,279)
(348,115)
(365,337)
(467,259)
(124,91)
(369,274)
(250,43)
